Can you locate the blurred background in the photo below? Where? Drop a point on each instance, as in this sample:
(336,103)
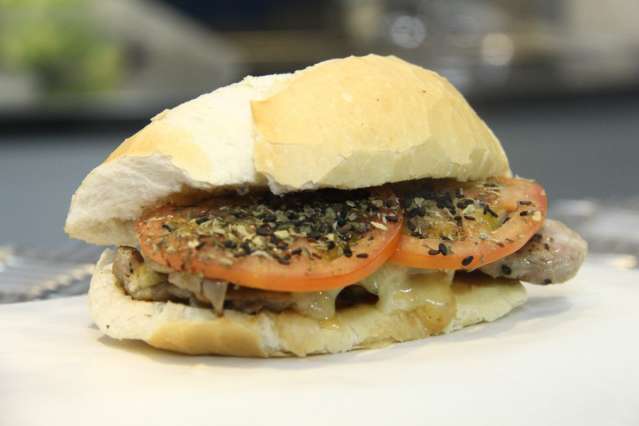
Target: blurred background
(557,80)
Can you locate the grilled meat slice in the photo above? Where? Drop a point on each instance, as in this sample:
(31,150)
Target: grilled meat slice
(552,256)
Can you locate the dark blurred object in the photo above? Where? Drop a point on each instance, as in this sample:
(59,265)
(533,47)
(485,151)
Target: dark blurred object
(488,48)
(83,59)
(497,48)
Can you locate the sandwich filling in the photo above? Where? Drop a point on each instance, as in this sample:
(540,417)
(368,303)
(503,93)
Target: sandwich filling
(397,247)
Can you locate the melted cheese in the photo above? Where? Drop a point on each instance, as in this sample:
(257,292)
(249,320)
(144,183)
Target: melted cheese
(398,289)
(318,304)
(406,289)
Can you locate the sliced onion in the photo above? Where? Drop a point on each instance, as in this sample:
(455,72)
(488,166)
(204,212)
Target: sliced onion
(215,292)
(190,282)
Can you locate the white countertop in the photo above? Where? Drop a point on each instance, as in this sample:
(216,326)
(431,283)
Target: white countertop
(569,356)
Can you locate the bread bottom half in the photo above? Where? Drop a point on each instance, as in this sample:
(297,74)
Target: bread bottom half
(197,331)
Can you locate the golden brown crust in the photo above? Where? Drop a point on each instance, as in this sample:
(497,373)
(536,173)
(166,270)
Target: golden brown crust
(365,121)
(189,330)
(223,337)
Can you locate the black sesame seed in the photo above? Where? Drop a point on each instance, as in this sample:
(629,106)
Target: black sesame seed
(315,235)
(282,245)
(330,245)
(362,255)
(296,252)
(392,218)
(469,218)
(462,204)
(506,270)
(433,252)
(490,211)
(347,251)
(263,230)
(201,220)
(415,211)
(246,246)
(524,213)
(467,260)
(269,218)
(443,249)
(525,202)
(167,227)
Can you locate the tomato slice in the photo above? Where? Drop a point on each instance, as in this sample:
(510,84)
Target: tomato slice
(453,225)
(302,242)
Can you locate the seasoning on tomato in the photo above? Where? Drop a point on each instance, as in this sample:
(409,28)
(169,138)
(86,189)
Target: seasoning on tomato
(300,242)
(464,225)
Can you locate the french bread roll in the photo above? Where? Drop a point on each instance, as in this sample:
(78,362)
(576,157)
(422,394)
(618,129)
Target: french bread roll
(344,123)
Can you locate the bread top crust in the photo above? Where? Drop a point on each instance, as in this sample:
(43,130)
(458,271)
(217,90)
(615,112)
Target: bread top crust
(366,121)
(345,123)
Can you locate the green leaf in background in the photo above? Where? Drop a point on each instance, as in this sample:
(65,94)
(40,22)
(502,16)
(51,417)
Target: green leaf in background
(61,43)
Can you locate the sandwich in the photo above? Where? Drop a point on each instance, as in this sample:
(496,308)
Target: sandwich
(352,204)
